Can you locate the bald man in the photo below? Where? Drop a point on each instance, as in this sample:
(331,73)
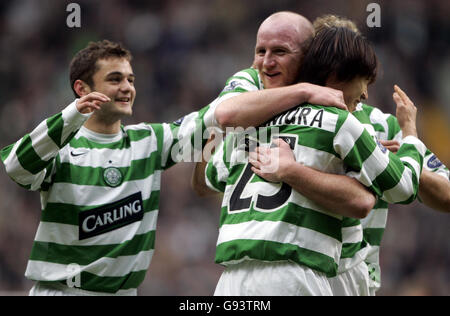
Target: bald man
(254,95)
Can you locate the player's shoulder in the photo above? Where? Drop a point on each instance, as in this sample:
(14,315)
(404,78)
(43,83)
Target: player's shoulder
(140,130)
(375,113)
(249,74)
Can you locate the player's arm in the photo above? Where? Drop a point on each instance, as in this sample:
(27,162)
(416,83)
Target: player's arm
(256,107)
(434,187)
(434,191)
(198,181)
(336,193)
(29,160)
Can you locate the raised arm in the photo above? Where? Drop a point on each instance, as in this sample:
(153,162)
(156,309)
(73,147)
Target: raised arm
(256,107)
(29,160)
(434,187)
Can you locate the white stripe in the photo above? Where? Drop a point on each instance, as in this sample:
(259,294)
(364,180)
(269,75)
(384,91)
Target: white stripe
(99,157)
(104,267)
(89,195)
(283,233)
(20,175)
(43,145)
(350,131)
(73,120)
(377,218)
(402,191)
(319,159)
(370,129)
(378,117)
(416,166)
(372,167)
(346,264)
(65,234)
(168,141)
(352,234)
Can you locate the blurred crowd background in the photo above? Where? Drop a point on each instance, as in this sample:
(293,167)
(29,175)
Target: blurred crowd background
(184,51)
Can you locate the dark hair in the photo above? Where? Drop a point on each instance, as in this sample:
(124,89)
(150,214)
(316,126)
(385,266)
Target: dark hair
(339,52)
(84,64)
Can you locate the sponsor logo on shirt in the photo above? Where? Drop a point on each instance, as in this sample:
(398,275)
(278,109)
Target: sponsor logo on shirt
(110,217)
(383,149)
(434,162)
(231,86)
(179,121)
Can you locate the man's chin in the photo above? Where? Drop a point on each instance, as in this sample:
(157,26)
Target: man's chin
(273,83)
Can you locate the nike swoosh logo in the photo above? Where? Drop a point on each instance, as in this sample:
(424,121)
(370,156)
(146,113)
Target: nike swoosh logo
(78,154)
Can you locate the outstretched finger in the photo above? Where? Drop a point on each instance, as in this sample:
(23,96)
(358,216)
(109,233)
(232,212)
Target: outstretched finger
(402,94)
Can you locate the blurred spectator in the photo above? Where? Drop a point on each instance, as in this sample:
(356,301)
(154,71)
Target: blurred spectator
(183,53)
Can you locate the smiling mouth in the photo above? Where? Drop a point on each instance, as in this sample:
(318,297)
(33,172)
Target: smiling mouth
(123,100)
(271,75)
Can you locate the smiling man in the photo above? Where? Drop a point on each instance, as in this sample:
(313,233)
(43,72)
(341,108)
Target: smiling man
(99,180)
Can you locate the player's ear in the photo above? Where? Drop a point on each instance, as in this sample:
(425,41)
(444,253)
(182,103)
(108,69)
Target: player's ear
(81,88)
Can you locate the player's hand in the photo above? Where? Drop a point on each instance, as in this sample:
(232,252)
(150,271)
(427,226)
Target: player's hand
(324,96)
(271,164)
(391,145)
(406,112)
(91,102)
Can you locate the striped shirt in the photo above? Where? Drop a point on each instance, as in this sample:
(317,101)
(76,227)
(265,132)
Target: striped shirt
(360,242)
(271,222)
(99,195)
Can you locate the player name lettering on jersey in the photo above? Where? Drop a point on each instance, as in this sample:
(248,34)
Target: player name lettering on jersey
(110,217)
(307,116)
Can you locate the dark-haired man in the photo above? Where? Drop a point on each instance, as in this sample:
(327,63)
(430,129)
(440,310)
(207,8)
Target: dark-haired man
(273,239)
(99,181)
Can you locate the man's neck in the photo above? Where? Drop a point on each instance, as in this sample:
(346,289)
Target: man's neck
(102,127)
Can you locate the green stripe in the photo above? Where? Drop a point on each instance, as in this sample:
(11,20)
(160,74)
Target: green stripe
(68,214)
(349,250)
(362,116)
(313,137)
(95,283)
(362,149)
(350,222)
(55,125)
(4,153)
(84,255)
(28,158)
(373,236)
(393,127)
(275,251)
(92,282)
(292,214)
(391,176)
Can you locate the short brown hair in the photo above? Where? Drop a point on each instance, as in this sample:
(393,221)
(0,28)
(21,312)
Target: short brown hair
(331,20)
(339,52)
(84,64)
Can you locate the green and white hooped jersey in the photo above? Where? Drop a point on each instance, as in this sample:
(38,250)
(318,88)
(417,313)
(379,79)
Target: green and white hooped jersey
(271,222)
(99,195)
(384,127)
